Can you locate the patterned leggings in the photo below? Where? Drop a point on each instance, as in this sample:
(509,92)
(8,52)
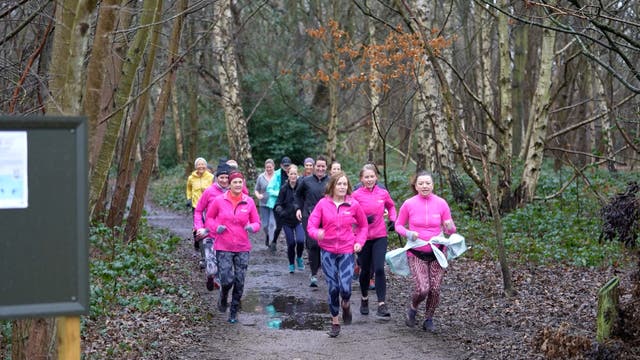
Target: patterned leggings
(232,267)
(427,277)
(338,270)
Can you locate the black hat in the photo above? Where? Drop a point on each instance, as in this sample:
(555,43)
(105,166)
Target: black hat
(285,161)
(223,169)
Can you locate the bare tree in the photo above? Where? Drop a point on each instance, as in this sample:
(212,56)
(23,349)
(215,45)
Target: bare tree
(155,131)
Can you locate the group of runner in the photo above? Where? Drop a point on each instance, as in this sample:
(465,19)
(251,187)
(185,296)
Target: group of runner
(318,211)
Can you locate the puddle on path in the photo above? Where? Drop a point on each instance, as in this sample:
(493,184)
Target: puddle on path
(287,311)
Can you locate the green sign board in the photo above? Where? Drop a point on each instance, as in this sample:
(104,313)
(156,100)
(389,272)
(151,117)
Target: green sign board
(43,217)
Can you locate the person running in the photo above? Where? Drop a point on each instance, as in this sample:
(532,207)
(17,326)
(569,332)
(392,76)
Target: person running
(267,218)
(375,201)
(232,216)
(427,215)
(335,168)
(273,189)
(207,256)
(310,191)
(339,225)
(199,180)
(285,209)
(308,167)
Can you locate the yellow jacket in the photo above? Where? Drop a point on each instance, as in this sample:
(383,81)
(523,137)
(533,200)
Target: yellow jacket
(196,185)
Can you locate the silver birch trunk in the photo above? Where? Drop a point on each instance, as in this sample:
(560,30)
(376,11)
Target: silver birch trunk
(374,94)
(538,119)
(224,47)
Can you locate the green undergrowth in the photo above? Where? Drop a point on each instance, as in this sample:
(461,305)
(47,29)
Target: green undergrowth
(130,275)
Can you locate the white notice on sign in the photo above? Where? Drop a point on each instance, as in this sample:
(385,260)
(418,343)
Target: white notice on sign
(14,190)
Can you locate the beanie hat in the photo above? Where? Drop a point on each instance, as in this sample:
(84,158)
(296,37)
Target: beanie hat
(235,175)
(223,169)
(309,160)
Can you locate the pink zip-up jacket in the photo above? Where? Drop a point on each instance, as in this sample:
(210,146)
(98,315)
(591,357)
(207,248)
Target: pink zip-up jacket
(425,215)
(205,201)
(343,225)
(373,203)
(221,212)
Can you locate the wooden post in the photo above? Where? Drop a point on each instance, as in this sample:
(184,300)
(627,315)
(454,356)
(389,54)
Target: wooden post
(607,309)
(68,334)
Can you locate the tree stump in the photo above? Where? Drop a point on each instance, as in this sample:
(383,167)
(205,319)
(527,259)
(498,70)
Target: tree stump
(607,309)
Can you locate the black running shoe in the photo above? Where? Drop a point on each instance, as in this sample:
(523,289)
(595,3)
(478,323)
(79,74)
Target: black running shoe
(364,307)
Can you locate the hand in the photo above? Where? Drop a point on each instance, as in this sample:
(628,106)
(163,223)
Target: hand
(412,235)
(299,215)
(201,232)
(357,247)
(320,234)
(248,228)
(189,205)
(391,226)
(448,225)
(278,210)
(259,196)
(220,229)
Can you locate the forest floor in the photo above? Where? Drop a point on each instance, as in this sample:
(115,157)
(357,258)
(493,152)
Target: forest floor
(552,315)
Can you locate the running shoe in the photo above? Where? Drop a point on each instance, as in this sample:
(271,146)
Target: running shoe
(383,311)
(292,269)
(364,307)
(411,317)
(210,282)
(300,263)
(372,284)
(335,330)
(428,325)
(314,282)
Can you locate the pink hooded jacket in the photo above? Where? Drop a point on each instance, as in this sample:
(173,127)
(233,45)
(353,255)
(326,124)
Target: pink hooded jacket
(343,225)
(425,216)
(205,202)
(221,212)
(373,203)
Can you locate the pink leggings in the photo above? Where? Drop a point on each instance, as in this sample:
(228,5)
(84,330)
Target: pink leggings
(427,278)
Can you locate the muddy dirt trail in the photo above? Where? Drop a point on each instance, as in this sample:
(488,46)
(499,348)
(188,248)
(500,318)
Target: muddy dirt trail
(283,318)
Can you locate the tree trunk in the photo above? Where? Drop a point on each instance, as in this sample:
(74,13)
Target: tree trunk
(505,118)
(507,282)
(602,105)
(35,338)
(96,68)
(124,91)
(155,130)
(177,128)
(192,104)
(519,110)
(374,93)
(237,134)
(128,156)
(538,119)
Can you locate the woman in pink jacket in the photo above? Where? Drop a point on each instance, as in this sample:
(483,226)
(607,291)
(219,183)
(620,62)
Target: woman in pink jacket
(232,216)
(340,226)
(374,201)
(427,215)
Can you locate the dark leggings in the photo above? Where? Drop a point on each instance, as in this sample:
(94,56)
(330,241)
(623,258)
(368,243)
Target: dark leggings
(295,241)
(313,250)
(372,257)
